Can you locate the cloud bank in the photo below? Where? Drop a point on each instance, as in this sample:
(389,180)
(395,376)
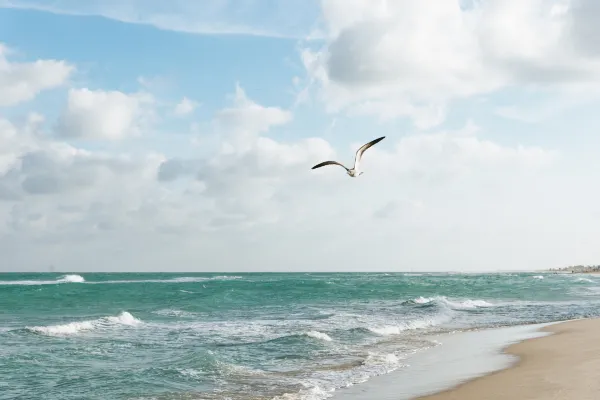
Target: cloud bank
(436,197)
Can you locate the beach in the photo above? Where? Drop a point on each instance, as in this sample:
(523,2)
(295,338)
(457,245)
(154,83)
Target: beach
(560,366)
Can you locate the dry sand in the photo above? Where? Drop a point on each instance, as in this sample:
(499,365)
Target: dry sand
(562,366)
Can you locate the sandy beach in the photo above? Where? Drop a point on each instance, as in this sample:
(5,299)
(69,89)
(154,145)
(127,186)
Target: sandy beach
(561,366)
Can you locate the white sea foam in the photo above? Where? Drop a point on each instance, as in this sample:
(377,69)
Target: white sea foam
(72,278)
(313,393)
(318,388)
(382,359)
(319,335)
(174,313)
(537,277)
(189,372)
(584,280)
(388,330)
(73,328)
(455,304)
(180,279)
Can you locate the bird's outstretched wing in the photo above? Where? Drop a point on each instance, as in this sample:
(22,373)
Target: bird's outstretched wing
(324,163)
(363,148)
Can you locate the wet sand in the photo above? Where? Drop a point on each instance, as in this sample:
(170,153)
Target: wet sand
(562,366)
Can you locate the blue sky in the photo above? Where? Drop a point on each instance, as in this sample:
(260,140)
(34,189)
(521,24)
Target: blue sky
(487,137)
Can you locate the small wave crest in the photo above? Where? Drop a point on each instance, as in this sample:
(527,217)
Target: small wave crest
(74,278)
(313,393)
(319,335)
(537,277)
(388,330)
(73,328)
(174,313)
(179,279)
(71,278)
(466,304)
(372,365)
(388,359)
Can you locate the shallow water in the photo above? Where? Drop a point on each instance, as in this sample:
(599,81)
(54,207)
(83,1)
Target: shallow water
(249,336)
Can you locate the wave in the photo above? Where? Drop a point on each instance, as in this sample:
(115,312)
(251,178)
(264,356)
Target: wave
(174,313)
(466,304)
(73,328)
(180,279)
(537,277)
(389,330)
(372,365)
(319,335)
(314,393)
(318,389)
(71,278)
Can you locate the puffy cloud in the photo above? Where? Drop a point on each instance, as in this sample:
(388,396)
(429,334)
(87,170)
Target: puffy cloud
(185,107)
(99,114)
(22,81)
(254,180)
(245,118)
(406,58)
(252,189)
(447,199)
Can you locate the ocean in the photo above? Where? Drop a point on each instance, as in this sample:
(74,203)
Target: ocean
(251,336)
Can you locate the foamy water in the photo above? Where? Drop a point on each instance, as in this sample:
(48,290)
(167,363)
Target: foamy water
(270,336)
(76,327)
(64,279)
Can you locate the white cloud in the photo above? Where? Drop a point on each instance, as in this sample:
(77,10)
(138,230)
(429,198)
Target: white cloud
(185,107)
(245,119)
(99,114)
(447,199)
(406,58)
(22,81)
(258,182)
(419,192)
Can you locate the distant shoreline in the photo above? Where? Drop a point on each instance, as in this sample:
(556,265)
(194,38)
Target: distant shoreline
(576,272)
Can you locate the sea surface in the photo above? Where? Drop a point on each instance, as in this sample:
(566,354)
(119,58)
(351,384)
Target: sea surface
(250,336)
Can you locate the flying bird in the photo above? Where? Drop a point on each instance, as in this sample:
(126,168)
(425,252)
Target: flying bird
(354,171)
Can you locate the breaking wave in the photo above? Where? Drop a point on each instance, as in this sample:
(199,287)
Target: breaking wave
(466,304)
(73,328)
(71,278)
(319,335)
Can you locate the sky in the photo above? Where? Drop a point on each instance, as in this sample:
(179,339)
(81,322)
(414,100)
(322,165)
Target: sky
(142,135)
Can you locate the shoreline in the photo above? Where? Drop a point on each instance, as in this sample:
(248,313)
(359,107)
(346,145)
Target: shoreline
(459,357)
(559,365)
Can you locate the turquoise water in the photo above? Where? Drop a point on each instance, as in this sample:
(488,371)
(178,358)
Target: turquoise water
(249,336)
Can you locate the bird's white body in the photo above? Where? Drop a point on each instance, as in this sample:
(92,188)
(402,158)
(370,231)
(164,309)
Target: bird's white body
(353,172)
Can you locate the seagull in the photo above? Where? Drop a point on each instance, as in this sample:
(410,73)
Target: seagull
(353,172)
